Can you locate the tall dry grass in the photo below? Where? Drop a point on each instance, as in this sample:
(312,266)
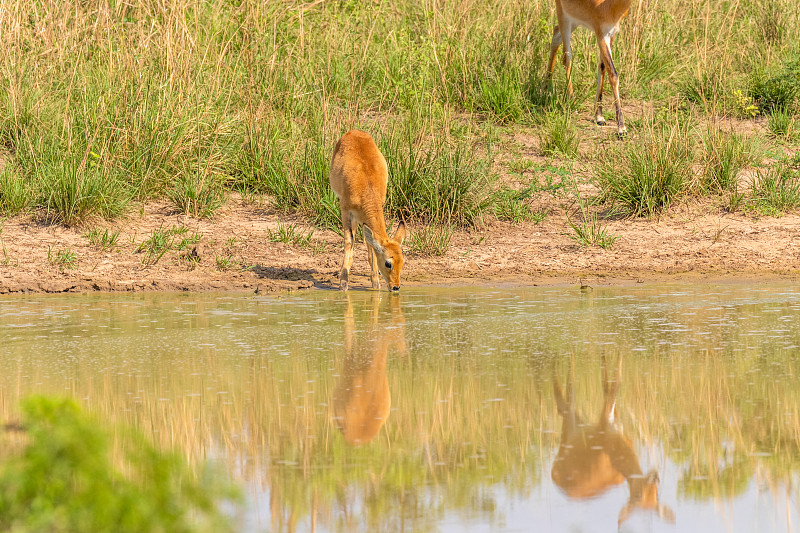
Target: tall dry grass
(109,102)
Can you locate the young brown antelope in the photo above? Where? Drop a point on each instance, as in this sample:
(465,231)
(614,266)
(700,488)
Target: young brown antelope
(602,17)
(593,458)
(359,176)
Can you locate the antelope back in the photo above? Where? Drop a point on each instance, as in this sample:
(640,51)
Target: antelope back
(359,176)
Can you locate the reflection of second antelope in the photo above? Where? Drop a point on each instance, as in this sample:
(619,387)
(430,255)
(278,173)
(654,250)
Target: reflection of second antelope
(361,400)
(592,458)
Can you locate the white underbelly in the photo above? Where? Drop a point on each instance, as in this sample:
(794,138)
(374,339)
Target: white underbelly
(606,30)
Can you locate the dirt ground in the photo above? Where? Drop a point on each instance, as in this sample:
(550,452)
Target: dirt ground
(695,240)
(234,253)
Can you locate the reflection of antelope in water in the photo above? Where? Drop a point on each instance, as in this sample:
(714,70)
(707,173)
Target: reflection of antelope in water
(361,400)
(593,458)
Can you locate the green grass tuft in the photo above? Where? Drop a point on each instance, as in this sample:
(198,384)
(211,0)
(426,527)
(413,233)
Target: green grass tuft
(559,136)
(290,234)
(778,87)
(643,178)
(196,195)
(63,259)
(510,205)
(726,154)
(782,124)
(430,240)
(15,195)
(776,191)
(436,183)
(105,240)
(162,241)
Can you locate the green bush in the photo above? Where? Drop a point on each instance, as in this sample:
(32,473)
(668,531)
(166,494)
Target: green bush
(14,194)
(726,154)
(645,177)
(777,88)
(435,182)
(64,480)
(776,190)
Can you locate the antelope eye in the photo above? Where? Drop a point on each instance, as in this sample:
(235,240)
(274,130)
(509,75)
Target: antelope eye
(388,265)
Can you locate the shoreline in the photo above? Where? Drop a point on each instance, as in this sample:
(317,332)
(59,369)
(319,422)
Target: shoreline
(237,251)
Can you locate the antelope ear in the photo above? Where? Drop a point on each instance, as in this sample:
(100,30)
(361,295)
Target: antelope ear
(399,233)
(624,514)
(666,514)
(371,240)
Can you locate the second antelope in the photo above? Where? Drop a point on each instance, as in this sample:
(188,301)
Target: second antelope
(592,458)
(602,17)
(359,176)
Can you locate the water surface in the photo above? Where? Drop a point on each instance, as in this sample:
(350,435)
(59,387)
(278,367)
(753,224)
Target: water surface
(437,409)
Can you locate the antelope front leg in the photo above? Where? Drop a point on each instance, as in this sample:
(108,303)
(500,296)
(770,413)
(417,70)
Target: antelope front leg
(566,37)
(344,276)
(605,53)
(374,276)
(554,45)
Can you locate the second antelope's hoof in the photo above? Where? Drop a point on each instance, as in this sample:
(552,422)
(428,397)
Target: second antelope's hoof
(622,135)
(600,121)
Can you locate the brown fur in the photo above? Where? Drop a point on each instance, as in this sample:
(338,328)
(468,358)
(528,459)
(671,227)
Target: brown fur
(359,176)
(600,16)
(593,458)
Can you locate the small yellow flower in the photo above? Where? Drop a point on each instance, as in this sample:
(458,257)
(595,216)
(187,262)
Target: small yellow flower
(746,104)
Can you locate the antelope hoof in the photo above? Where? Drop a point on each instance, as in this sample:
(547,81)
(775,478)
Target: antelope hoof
(599,120)
(622,135)
(343,285)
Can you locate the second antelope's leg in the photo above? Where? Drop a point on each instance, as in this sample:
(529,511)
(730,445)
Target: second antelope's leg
(554,45)
(598,112)
(348,225)
(566,36)
(374,276)
(605,55)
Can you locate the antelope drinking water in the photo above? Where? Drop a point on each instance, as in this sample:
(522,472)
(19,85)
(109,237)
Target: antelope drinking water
(359,176)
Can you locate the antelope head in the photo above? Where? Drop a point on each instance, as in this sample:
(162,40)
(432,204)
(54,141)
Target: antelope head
(388,254)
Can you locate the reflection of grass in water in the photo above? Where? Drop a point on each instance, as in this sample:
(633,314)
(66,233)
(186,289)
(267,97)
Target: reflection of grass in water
(731,419)
(446,441)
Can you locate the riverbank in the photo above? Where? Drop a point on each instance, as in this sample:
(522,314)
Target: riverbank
(249,247)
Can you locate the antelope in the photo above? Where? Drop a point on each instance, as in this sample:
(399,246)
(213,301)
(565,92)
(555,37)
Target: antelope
(359,176)
(593,458)
(602,17)
(361,401)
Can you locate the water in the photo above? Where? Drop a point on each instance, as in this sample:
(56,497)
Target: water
(436,410)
